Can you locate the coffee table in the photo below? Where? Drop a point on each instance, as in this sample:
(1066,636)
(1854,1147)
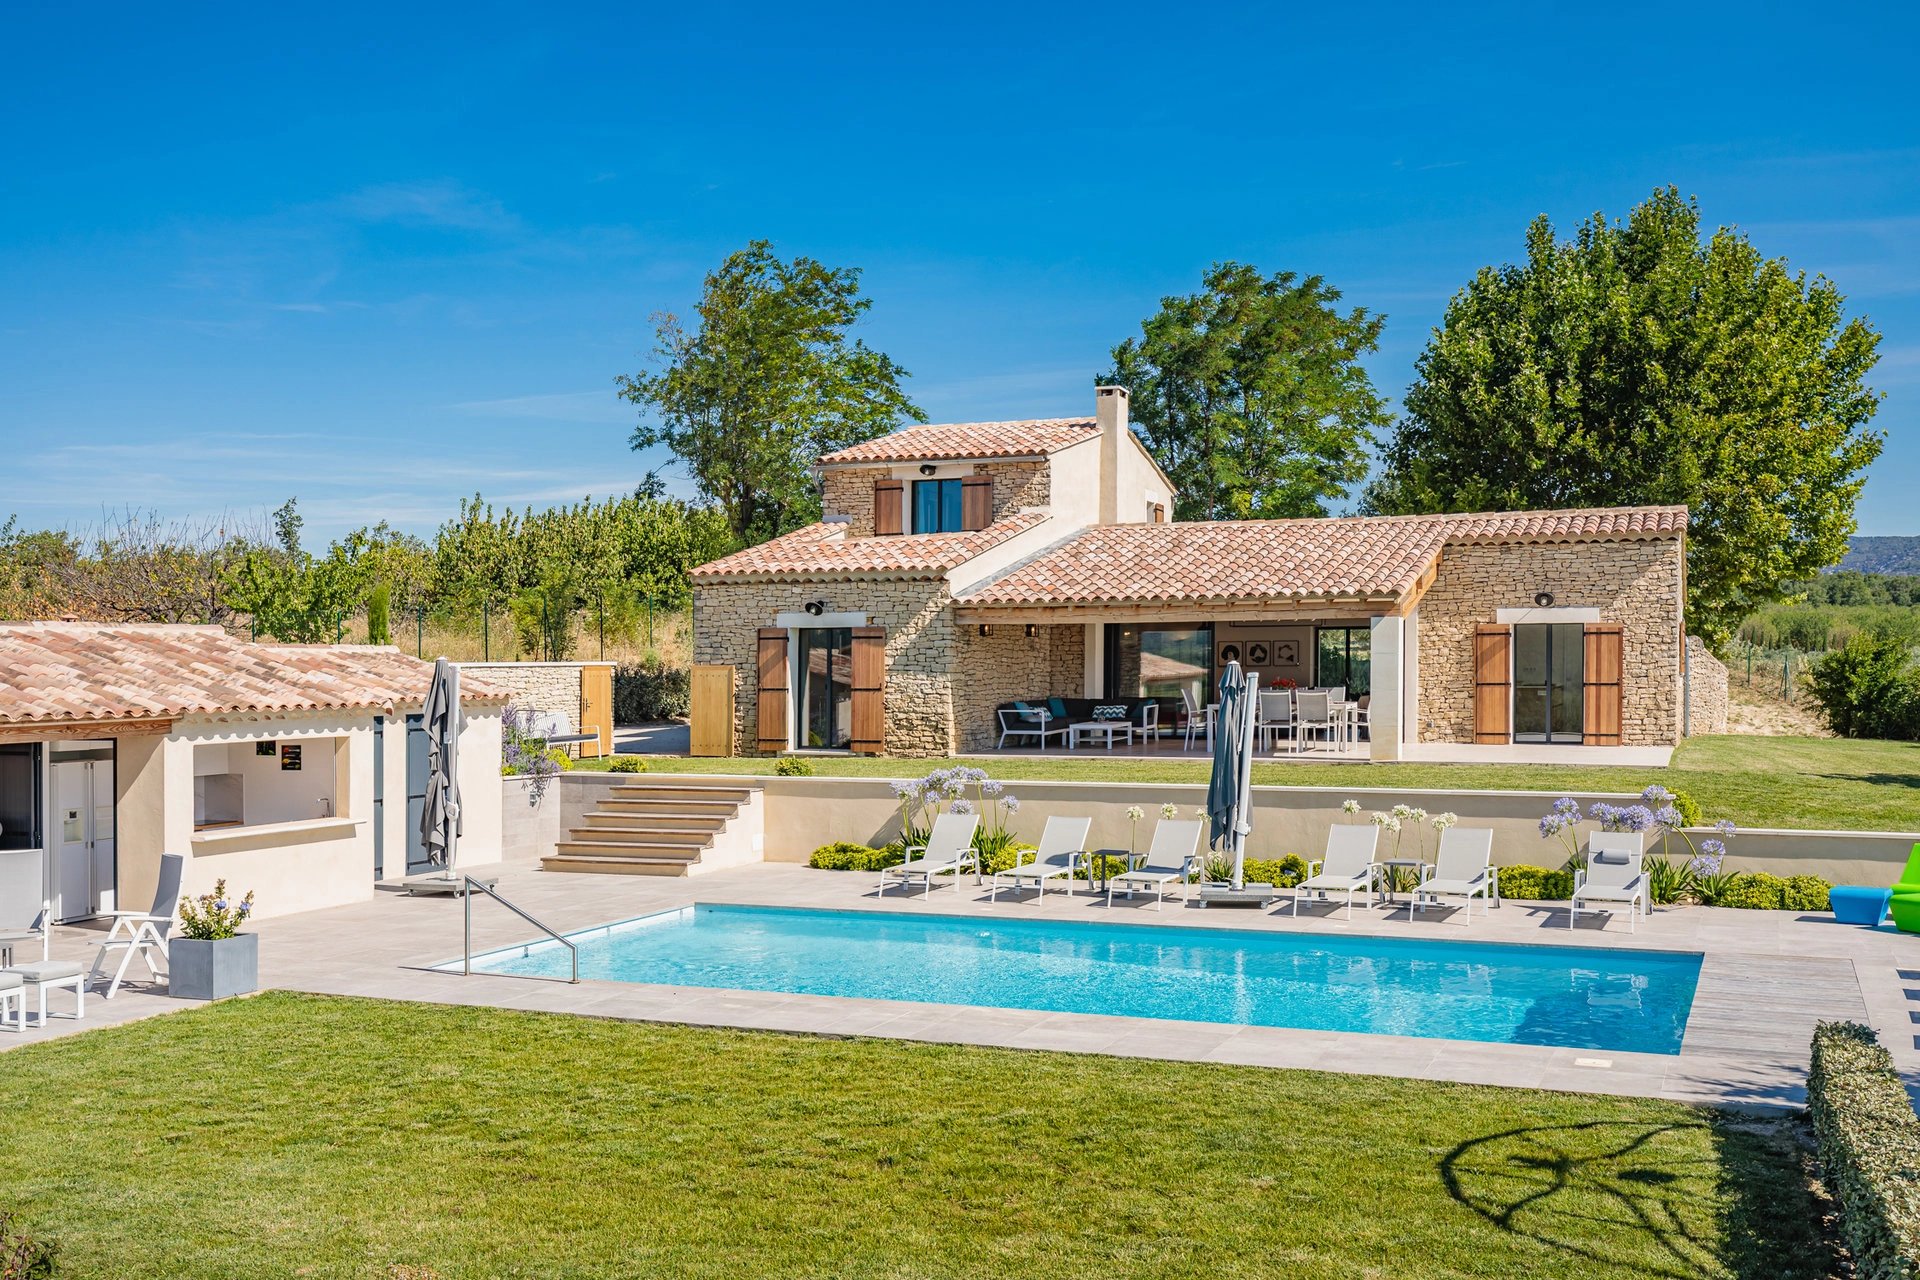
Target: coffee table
(1108,728)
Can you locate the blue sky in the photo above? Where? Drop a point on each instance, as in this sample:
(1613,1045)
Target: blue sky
(381,257)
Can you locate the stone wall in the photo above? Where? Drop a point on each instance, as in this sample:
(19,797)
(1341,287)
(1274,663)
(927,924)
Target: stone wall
(552,687)
(1636,584)
(727,618)
(1006,665)
(1017,486)
(848,492)
(1707,689)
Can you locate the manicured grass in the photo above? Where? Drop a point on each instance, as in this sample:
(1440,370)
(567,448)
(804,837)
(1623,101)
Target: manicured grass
(312,1136)
(1805,783)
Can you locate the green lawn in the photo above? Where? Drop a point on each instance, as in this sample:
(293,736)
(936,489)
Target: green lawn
(309,1136)
(1809,783)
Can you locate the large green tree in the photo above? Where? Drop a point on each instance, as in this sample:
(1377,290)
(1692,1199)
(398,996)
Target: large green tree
(1639,363)
(1251,395)
(767,380)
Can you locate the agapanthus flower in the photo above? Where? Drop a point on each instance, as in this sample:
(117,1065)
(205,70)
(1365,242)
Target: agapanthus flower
(991,788)
(961,806)
(1349,806)
(1169,810)
(1657,794)
(1668,816)
(1713,847)
(1012,803)
(1135,812)
(1567,806)
(1402,811)
(1724,826)
(1418,815)
(1706,862)
(907,790)
(1441,821)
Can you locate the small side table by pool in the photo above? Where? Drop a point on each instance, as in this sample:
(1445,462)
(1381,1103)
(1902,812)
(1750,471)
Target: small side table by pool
(1860,904)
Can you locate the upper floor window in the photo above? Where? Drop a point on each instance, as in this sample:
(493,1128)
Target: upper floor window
(936,506)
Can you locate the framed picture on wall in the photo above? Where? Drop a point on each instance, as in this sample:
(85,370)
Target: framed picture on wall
(290,757)
(1257,654)
(1286,653)
(1229,653)
(266,748)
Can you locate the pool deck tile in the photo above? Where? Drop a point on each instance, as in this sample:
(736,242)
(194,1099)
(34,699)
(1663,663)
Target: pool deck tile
(1766,978)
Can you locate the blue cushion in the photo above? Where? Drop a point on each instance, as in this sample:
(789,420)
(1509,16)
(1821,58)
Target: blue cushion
(1058,706)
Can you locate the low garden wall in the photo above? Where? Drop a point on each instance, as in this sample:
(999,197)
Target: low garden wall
(806,812)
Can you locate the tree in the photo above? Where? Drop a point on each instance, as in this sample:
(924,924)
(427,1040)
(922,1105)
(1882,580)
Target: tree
(765,383)
(1868,689)
(1251,396)
(1636,364)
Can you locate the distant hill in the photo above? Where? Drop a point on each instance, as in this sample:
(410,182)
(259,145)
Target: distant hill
(1883,555)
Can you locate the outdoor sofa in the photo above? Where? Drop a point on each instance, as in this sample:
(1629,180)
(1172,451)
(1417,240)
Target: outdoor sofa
(1042,718)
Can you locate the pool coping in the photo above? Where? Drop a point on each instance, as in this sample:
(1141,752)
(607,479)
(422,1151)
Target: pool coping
(1766,1070)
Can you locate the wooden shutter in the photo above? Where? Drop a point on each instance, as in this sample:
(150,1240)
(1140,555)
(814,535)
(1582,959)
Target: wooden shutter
(976,502)
(1602,677)
(773,689)
(889,504)
(869,690)
(1492,683)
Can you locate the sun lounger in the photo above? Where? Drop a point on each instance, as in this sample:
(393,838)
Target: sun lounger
(1062,843)
(949,848)
(1348,867)
(1169,860)
(1613,874)
(1463,868)
(142,933)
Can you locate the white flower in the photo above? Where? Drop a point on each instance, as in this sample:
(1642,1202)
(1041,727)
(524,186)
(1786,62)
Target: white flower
(1387,821)
(1418,815)
(1349,806)
(1402,811)
(1135,813)
(1441,821)
(1169,811)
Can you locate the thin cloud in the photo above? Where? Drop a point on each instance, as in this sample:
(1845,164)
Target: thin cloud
(442,204)
(565,406)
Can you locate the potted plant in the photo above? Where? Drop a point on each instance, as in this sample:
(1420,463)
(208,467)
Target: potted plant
(210,958)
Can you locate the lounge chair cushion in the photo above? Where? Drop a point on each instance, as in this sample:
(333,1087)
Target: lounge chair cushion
(46,970)
(1612,857)
(9,979)
(1057,707)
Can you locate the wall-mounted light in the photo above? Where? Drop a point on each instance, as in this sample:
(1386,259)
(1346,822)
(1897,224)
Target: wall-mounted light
(927,468)
(1033,631)
(816,607)
(986,628)
(1543,600)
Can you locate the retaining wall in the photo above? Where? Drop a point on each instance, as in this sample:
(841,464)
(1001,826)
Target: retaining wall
(803,813)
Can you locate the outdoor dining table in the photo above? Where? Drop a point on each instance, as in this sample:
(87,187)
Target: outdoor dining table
(1346,716)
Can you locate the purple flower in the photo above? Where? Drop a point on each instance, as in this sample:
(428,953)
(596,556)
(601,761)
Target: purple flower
(1567,806)
(1668,816)
(961,806)
(991,788)
(1713,849)
(220,904)
(1012,803)
(1657,794)
(1724,826)
(906,790)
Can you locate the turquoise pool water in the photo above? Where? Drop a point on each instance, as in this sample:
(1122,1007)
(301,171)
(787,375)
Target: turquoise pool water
(1584,997)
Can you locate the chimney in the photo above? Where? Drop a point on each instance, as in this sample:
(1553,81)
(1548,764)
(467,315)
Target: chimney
(1110,411)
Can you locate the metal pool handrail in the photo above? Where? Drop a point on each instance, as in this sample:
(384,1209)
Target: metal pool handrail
(466,901)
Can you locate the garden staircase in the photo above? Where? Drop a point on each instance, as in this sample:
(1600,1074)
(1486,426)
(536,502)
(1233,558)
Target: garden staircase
(653,829)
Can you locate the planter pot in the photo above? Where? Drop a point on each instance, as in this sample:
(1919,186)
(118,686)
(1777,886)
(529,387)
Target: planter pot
(202,969)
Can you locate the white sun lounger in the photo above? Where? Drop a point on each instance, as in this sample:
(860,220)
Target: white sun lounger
(1614,874)
(949,847)
(142,933)
(1348,867)
(1463,868)
(46,974)
(1062,843)
(1169,860)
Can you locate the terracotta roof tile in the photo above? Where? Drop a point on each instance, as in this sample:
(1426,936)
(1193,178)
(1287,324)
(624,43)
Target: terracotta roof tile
(76,671)
(936,441)
(1242,561)
(823,551)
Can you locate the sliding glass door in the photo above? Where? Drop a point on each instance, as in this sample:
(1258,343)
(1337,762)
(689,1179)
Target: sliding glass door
(825,670)
(1548,677)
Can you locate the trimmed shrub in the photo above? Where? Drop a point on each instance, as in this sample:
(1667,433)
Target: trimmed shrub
(1535,884)
(23,1255)
(1688,807)
(561,760)
(1807,893)
(843,855)
(1755,891)
(650,690)
(1282,873)
(1869,1148)
(793,767)
(627,764)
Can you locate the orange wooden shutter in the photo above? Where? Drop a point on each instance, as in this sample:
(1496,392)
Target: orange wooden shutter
(889,504)
(1602,695)
(773,689)
(976,502)
(869,690)
(1492,683)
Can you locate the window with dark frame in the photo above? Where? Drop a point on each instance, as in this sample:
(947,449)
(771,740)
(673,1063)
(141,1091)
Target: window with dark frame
(937,506)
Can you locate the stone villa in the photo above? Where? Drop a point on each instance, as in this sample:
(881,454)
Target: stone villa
(964,567)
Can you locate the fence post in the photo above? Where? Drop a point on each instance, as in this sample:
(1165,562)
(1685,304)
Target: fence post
(1786,682)
(420,631)
(486,640)
(649,619)
(603,629)
(1749,664)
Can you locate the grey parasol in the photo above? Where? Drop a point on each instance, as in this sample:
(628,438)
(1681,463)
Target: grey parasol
(440,811)
(1230,787)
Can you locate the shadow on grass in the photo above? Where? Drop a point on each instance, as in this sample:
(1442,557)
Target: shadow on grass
(1640,1197)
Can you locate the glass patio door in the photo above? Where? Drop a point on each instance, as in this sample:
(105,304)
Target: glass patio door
(825,662)
(1548,681)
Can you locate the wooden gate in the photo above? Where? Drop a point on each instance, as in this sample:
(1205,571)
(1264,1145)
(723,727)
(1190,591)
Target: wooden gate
(596,708)
(712,711)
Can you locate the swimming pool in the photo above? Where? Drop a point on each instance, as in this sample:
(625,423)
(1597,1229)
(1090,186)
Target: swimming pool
(1505,993)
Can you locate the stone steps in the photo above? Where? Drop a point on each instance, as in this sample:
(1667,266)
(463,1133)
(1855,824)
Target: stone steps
(648,829)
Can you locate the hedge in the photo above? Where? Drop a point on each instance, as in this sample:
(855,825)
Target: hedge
(843,855)
(650,690)
(1869,1147)
(1535,884)
(1753,890)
